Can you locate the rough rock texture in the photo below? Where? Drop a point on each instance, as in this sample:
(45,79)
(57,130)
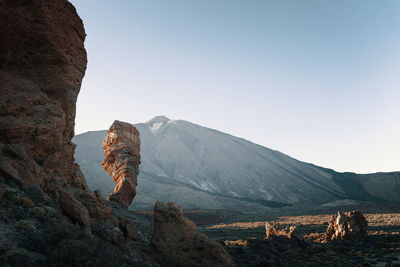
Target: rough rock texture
(347,226)
(74,209)
(122,158)
(47,213)
(42,63)
(179,244)
(275,229)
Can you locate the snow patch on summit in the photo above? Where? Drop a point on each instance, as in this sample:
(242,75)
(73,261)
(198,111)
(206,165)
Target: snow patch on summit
(155,127)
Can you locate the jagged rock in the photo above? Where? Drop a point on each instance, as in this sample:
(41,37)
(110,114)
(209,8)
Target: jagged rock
(97,207)
(128,228)
(78,179)
(179,244)
(122,158)
(347,226)
(42,63)
(74,209)
(275,229)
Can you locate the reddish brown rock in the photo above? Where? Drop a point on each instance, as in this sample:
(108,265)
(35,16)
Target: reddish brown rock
(74,209)
(42,63)
(97,208)
(122,158)
(178,243)
(347,226)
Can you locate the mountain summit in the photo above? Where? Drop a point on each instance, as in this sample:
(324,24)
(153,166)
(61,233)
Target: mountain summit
(204,168)
(158,119)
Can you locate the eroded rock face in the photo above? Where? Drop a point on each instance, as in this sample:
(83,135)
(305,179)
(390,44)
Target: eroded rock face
(179,244)
(347,226)
(122,158)
(42,63)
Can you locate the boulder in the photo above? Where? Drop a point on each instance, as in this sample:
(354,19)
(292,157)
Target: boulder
(122,158)
(178,243)
(347,226)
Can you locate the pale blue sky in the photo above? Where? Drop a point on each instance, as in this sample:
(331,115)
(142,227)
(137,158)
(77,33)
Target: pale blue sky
(317,80)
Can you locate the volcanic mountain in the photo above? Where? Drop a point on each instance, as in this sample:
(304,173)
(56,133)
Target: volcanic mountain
(202,168)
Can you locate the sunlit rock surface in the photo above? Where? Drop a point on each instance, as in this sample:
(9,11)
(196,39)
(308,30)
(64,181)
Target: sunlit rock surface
(122,158)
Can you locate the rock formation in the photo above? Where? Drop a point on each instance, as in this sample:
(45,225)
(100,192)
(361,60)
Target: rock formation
(122,158)
(179,244)
(42,63)
(276,229)
(47,212)
(347,226)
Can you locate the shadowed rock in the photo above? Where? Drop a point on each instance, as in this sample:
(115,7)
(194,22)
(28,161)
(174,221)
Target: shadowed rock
(347,226)
(122,158)
(42,63)
(179,244)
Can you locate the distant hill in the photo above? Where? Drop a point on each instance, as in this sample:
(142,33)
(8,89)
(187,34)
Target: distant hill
(204,168)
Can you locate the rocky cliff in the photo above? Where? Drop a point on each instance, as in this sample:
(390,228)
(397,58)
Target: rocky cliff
(42,63)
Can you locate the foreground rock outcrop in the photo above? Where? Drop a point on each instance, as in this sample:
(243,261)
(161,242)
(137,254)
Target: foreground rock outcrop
(48,217)
(347,226)
(179,244)
(122,158)
(42,63)
(42,191)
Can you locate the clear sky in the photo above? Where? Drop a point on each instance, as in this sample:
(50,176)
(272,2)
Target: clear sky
(317,80)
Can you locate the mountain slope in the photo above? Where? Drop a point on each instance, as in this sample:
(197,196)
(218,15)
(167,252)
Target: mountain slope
(204,168)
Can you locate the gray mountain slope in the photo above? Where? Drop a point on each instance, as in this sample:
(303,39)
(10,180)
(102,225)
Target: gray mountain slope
(204,168)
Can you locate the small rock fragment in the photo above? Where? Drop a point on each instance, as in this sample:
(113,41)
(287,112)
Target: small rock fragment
(27,202)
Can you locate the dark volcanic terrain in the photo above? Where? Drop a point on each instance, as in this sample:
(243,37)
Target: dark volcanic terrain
(243,235)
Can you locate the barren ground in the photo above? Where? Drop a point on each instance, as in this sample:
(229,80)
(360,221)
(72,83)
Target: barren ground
(243,235)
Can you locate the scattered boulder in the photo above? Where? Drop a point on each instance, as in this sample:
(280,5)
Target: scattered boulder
(347,226)
(179,244)
(122,158)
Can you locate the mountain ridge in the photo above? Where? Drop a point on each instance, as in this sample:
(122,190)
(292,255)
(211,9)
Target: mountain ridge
(207,163)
